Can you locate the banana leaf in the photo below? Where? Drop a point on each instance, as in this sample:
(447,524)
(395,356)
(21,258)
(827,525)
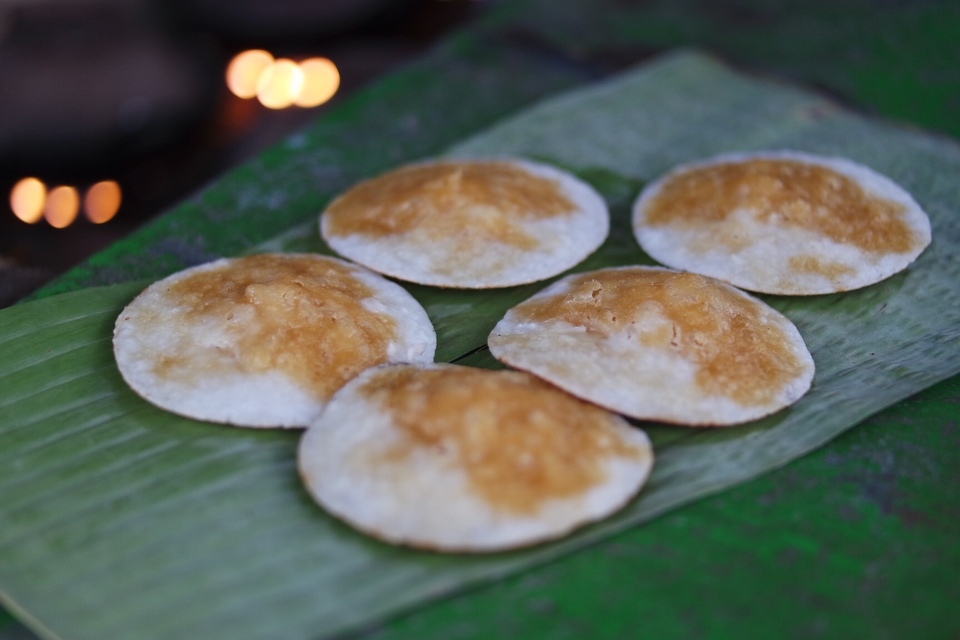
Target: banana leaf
(120,520)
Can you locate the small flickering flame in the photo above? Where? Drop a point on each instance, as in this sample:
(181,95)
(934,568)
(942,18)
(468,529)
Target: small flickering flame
(282,83)
(63,205)
(244,71)
(321,79)
(279,84)
(31,201)
(27,199)
(102,201)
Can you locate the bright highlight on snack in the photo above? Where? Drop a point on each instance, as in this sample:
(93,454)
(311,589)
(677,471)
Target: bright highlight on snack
(282,83)
(455,458)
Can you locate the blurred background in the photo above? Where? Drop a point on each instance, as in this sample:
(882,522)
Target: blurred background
(113,110)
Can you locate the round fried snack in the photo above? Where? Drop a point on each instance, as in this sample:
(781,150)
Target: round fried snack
(781,222)
(455,458)
(264,340)
(468,223)
(657,344)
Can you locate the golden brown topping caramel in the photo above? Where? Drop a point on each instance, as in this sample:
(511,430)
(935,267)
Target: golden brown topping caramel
(520,441)
(480,199)
(301,316)
(788,192)
(736,352)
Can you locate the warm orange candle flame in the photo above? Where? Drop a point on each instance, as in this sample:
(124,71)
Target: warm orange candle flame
(279,84)
(321,79)
(27,199)
(102,201)
(63,205)
(244,72)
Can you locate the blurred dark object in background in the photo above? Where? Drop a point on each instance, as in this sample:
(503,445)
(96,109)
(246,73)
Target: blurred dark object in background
(133,92)
(94,81)
(281,22)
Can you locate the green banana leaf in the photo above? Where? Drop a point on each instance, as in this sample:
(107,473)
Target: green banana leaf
(120,520)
